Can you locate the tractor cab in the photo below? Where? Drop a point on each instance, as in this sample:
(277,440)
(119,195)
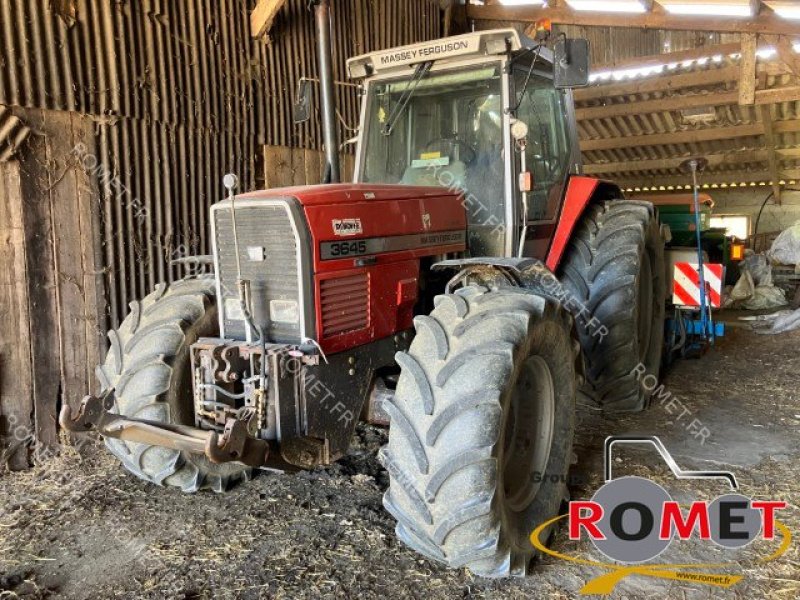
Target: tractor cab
(478,113)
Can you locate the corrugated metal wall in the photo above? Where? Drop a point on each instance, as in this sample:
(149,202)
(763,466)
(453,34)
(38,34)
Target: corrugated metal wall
(359,26)
(166,84)
(179,95)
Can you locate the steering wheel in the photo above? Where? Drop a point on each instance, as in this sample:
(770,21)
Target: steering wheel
(452,142)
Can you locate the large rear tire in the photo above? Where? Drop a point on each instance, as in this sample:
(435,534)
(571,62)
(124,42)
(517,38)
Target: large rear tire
(149,367)
(615,267)
(481,428)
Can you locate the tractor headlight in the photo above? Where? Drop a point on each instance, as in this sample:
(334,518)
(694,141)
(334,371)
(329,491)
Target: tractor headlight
(284,311)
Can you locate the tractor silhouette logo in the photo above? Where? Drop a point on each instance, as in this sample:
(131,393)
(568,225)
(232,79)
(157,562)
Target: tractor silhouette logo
(632,520)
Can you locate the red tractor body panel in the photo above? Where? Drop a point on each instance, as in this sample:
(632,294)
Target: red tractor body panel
(367,244)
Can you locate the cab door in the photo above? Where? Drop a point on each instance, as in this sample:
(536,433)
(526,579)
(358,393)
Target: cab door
(549,152)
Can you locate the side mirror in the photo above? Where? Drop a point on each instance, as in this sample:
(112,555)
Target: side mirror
(571,63)
(301,111)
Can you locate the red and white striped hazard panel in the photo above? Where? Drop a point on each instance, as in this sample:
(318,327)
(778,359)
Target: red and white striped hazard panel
(686,284)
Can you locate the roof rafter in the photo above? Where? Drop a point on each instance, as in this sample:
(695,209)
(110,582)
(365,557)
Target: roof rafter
(718,178)
(692,136)
(714,160)
(765,22)
(678,102)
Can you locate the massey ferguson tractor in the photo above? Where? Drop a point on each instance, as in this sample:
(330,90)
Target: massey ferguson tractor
(466,287)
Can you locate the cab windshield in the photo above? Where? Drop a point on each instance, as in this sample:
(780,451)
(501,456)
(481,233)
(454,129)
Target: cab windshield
(442,129)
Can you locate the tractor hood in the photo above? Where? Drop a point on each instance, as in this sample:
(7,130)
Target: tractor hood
(347,193)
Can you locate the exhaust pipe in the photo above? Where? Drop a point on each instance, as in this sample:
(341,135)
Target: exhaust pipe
(322,17)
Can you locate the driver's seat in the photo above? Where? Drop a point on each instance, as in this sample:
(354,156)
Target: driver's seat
(451,176)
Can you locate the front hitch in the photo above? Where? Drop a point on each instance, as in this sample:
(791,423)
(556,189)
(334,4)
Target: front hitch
(234,445)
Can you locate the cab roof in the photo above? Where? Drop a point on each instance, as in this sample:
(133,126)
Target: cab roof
(478,43)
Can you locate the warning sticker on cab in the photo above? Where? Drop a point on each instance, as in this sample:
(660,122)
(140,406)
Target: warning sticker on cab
(346,227)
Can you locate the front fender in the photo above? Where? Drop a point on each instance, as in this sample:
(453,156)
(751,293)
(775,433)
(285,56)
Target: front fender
(581,192)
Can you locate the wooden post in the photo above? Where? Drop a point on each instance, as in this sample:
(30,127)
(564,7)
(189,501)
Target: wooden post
(16,384)
(747,76)
(41,292)
(771,141)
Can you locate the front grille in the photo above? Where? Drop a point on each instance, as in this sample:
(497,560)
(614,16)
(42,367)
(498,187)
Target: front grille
(268,253)
(344,302)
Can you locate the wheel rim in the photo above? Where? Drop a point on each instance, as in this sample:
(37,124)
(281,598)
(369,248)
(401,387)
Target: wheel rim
(528,434)
(645,323)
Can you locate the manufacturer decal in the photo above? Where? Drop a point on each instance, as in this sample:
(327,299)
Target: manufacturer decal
(347,227)
(632,520)
(428,51)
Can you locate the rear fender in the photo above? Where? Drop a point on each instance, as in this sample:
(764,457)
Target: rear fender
(581,193)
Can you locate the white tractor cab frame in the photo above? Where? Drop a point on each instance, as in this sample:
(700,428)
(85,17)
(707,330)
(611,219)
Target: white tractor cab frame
(452,112)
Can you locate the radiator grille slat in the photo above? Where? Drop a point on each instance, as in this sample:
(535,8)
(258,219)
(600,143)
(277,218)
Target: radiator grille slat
(268,227)
(344,304)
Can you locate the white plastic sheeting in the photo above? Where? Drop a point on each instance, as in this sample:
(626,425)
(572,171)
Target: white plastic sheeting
(778,322)
(786,247)
(755,290)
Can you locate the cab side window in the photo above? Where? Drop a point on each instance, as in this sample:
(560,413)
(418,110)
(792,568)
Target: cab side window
(543,109)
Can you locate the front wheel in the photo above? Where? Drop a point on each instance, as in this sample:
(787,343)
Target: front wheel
(149,367)
(481,428)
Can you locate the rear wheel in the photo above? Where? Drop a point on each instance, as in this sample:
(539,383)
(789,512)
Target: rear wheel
(615,267)
(481,428)
(149,367)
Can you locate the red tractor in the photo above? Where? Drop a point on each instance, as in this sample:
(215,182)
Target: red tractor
(466,287)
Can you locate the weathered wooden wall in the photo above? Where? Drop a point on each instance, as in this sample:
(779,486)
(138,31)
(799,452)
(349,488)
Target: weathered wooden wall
(133,112)
(285,166)
(51,292)
(16,387)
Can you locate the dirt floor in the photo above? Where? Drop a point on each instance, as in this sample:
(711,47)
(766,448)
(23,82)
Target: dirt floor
(82,528)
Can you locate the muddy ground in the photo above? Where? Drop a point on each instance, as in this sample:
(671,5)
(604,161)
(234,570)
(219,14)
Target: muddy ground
(80,527)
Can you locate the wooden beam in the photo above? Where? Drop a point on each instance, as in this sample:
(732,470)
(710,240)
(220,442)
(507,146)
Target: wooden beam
(692,136)
(710,178)
(655,60)
(263,15)
(777,95)
(678,102)
(769,135)
(786,54)
(747,70)
(766,22)
(679,137)
(660,83)
(714,160)
(642,107)
(790,126)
